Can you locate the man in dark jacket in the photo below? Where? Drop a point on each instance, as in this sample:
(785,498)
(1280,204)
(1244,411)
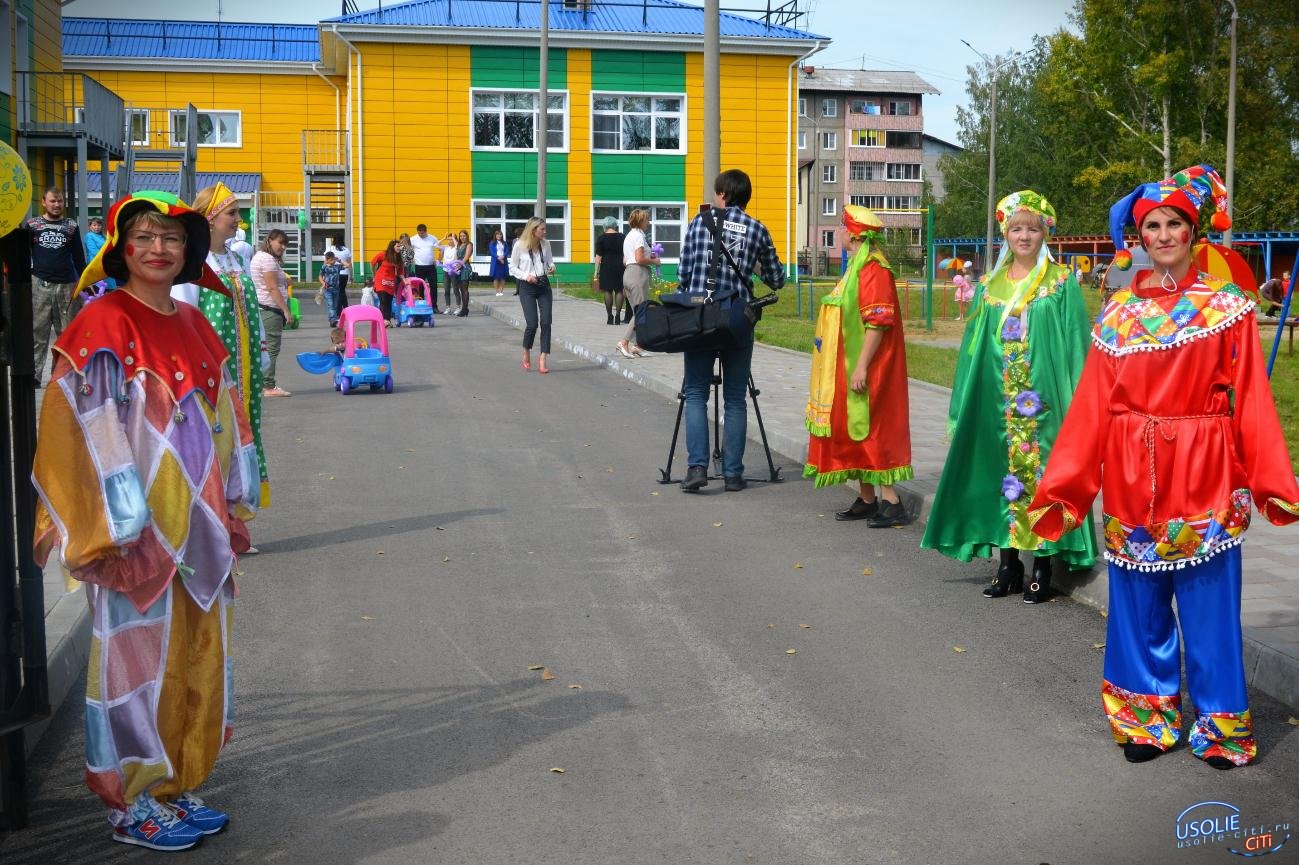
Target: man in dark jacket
(58,258)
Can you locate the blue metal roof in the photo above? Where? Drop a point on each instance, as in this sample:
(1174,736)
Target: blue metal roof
(660,17)
(190,40)
(240,182)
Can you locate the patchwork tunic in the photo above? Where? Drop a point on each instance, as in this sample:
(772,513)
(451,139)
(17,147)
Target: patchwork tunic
(146,468)
(1174,422)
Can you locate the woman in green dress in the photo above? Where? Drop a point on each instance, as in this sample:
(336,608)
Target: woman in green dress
(1019,363)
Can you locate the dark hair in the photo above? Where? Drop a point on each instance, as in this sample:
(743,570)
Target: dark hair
(114,261)
(58,189)
(392,255)
(329,255)
(734,186)
(273,234)
(421,227)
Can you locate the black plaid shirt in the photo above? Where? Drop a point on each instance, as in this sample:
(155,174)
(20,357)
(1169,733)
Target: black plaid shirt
(750,245)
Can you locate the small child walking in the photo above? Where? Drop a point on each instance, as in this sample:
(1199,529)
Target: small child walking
(331,283)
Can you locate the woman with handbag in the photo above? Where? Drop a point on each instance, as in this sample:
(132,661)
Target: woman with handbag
(857,412)
(637,260)
(531,266)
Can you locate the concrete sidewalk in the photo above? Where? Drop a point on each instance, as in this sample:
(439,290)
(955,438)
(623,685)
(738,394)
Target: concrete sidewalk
(1270,602)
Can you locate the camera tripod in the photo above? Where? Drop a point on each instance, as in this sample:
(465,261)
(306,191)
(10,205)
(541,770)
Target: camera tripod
(716,383)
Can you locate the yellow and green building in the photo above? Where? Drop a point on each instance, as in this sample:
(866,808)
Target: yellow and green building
(427,112)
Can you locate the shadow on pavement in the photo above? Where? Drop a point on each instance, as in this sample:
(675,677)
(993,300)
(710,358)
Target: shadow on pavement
(380,529)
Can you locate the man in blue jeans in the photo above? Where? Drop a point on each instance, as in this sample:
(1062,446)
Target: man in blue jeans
(751,250)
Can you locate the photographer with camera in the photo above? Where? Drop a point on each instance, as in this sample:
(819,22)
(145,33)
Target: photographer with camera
(722,249)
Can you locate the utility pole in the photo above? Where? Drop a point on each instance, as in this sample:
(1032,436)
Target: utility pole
(1231,126)
(994,70)
(543,106)
(712,96)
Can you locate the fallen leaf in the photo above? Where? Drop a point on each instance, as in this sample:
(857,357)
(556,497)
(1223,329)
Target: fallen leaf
(866,572)
(401,467)
(446,559)
(367,618)
(439,528)
(575,686)
(558,771)
(535,667)
(771,624)
(791,651)
(378,552)
(330,478)
(958,649)
(586,445)
(820,515)
(653,494)
(806,627)
(717,525)
(1098,645)
(632,537)
(410,450)
(798,566)
(546,675)
(1292,721)
(609,470)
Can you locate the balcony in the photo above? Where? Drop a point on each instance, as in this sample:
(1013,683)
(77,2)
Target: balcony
(57,110)
(325,151)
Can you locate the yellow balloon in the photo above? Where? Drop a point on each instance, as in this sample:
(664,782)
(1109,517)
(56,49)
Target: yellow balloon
(15,190)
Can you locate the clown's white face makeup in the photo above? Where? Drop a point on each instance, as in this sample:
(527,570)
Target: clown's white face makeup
(1167,233)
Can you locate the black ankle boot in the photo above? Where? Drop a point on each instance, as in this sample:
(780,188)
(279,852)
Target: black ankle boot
(1039,587)
(1135,752)
(1010,578)
(858,510)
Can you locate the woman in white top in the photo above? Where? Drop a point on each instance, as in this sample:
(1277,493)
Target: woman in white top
(272,285)
(531,265)
(638,260)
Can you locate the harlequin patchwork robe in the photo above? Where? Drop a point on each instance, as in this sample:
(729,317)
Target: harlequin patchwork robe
(1174,422)
(1020,359)
(146,468)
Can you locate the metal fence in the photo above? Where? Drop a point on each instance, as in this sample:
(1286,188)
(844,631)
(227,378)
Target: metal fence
(70,104)
(325,150)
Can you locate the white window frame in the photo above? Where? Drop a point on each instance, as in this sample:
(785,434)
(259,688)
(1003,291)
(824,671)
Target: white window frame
(625,210)
(895,103)
(682,116)
(802,106)
(828,240)
(565,115)
(830,173)
(871,202)
(175,142)
(852,137)
(802,140)
(870,171)
(829,108)
(558,253)
(829,140)
(901,202)
(889,166)
(829,207)
(131,114)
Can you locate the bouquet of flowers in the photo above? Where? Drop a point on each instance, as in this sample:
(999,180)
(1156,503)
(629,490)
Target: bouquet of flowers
(657,284)
(453,267)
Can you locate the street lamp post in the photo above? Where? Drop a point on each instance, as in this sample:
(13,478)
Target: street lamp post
(994,69)
(1231,126)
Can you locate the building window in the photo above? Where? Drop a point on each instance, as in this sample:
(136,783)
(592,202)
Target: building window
(511,216)
(902,171)
(905,140)
(138,126)
(827,238)
(829,108)
(901,202)
(900,107)
(667,224)
(802,106)
(507,120)
(638,122)
(868,138)
(866,171)
(829,140)
(802,140)
(863,106)
(874,202)
(829,174)
(908,235)
(829,207)
(215,129)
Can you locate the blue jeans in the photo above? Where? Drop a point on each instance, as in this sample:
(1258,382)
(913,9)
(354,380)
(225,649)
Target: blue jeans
(736,363)
(331,304)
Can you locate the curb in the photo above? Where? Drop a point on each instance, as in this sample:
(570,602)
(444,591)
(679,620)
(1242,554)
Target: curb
(67,638)
(1269,669)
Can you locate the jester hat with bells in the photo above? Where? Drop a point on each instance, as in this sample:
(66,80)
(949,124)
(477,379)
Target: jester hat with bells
(1186,191)
(109,261)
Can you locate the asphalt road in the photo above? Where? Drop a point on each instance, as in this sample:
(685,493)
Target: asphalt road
(737,678)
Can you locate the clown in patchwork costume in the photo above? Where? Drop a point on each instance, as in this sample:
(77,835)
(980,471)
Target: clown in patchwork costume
(146,470)
(1019,362)
(232,311)
(1173,422)
(857,411)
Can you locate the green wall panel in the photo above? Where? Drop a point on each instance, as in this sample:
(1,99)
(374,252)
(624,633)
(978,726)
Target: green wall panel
(630,178)
(638,71)
(501,66)
(514,175)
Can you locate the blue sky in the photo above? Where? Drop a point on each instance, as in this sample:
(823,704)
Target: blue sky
(924,36)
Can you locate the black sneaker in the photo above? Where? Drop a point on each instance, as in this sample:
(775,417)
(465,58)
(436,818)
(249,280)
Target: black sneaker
(735,483)
(696,479)
(858,510)
(890,514)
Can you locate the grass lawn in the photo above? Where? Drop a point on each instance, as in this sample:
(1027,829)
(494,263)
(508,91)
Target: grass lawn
(931,355)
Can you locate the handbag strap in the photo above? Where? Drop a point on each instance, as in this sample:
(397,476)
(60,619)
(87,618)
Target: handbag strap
(710,222)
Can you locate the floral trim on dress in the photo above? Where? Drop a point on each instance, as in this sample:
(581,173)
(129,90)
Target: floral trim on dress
(1129,323)
(1180,542)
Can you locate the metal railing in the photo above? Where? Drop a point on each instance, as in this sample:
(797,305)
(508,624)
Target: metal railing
(325,150)
(71,104)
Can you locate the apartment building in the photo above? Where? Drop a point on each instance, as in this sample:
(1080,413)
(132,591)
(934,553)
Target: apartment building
(860,141)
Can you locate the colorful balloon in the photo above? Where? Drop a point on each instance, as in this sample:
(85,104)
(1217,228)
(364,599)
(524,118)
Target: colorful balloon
(15,189)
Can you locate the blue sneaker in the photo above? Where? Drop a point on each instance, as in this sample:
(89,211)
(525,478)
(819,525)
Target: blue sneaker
(193,811)
(158,829)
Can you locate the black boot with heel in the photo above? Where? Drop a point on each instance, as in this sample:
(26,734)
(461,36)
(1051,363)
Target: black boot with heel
(1039,587)
(1010,578)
